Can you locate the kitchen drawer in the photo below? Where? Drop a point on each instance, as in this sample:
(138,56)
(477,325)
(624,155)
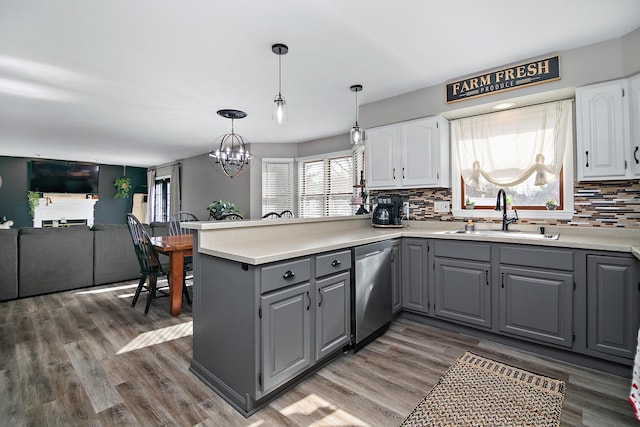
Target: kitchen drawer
(284,274)
(334,262)
(463,250)
(541,257)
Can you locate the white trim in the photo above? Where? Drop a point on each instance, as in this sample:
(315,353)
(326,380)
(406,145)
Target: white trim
(325,156)
(278,159)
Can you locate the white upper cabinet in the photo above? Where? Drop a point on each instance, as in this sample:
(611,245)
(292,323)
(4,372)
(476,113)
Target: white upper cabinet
(602,124)
(413,154)
(380,152)
(634,112)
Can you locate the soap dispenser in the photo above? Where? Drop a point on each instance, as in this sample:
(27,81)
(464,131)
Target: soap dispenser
(469,226)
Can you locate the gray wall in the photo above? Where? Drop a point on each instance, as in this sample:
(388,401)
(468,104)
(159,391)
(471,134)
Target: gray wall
(325,145)
(608,60)
(202,184)
(261,151)
(631,49)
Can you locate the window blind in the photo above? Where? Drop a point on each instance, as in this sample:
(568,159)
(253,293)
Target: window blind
(326,187)
(277,185)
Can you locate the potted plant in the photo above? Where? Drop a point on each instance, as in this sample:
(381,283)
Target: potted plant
(468,204)
(551,204)
(34,201)
(221,207)
(508,202)
(123,186)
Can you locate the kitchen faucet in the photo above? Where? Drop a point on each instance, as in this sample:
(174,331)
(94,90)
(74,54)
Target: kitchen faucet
(505,221)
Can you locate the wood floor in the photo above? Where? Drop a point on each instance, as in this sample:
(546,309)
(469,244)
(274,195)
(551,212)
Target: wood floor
(85,357)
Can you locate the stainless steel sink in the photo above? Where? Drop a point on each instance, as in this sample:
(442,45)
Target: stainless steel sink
(513,234)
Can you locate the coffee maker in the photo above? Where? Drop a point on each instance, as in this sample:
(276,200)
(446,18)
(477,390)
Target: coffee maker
(387,212)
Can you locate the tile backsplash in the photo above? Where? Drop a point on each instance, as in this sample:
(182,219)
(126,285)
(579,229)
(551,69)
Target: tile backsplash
(597,204)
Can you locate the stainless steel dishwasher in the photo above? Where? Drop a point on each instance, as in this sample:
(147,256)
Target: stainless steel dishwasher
(371,307)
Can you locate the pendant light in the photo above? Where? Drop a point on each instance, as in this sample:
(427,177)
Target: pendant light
(229,151)
(357,134)
(279,104)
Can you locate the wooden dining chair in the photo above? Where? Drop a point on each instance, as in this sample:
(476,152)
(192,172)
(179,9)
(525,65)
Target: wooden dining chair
(175,229)
(150,266)
(174,223)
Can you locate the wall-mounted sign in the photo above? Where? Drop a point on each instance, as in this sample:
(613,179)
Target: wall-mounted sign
(514,77)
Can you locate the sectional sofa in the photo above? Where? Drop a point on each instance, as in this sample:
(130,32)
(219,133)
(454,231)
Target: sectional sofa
(35,261)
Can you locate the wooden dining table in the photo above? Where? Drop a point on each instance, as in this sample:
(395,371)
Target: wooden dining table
(177,247)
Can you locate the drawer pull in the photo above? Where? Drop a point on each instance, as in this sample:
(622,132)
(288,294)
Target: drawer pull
(288,275)
(635,155)
(335,262)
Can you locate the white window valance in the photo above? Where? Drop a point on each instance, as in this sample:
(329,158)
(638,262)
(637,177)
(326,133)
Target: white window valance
(507,147)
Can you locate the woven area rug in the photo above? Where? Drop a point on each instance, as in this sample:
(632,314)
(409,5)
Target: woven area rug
(477,391)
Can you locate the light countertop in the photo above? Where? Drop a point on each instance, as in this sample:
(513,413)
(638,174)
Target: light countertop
(263,241)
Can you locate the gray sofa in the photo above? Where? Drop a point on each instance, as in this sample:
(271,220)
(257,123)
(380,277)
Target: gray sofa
(54,259)
(35,261)
(8,264)
(114,258)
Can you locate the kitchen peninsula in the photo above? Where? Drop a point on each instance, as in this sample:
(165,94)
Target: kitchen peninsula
(271,297)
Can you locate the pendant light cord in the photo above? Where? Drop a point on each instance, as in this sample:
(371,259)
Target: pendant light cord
(280,72)
(356,107)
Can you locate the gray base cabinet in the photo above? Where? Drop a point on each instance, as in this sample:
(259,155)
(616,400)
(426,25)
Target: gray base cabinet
(415,275)
(537,304)
(286,334)
(258,328)
(333,314)
(537,293)
(461,282)
(396,277)
(462,291)
(613,300)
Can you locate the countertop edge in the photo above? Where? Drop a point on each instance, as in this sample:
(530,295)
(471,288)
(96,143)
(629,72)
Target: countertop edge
(324,242)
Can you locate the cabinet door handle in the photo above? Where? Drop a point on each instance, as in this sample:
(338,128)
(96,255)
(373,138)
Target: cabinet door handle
(635,155)
(502,279)
(288,275)
(403,173)
(320,292)
(587,154)
(335,262)
(486,277)
(394,173)
(309,297)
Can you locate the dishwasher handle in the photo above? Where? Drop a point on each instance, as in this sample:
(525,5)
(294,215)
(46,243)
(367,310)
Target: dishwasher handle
(370,254)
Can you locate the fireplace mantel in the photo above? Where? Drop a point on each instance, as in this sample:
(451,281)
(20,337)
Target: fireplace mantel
(64,209)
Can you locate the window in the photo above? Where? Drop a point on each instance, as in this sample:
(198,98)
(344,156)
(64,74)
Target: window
(277,185)
(527,151)
(326,186)
(162,200)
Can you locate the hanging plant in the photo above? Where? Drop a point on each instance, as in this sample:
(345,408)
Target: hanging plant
(123,186)
(34,201)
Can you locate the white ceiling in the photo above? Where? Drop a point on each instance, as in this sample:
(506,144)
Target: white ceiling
(138,82)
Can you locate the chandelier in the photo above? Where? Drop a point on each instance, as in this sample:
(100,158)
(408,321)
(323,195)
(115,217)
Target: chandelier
(229,151)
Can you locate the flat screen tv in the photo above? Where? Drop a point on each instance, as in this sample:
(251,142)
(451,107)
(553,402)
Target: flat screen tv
(50,176)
